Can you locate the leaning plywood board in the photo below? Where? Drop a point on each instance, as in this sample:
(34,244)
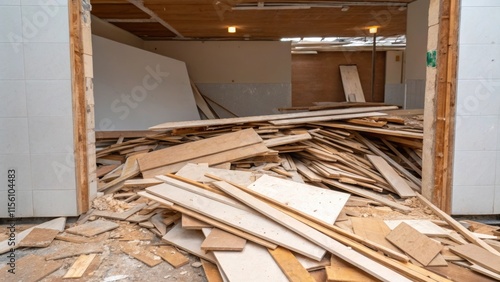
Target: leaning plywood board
(322,204)
(188,240)
(29,268)
(426,227)
(56,224)
(39,238)
(219,240)
(92,228)
(290,266)
(253,263)
(377,270)
(478,256)
(397,182)
(414,243)
(197,173)
(352,85)
(198,149)
(217,158)
(252,223)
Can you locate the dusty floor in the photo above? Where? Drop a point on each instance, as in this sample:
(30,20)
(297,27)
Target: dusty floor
(112,264)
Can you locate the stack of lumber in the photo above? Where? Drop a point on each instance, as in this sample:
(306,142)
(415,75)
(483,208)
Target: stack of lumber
(271,198)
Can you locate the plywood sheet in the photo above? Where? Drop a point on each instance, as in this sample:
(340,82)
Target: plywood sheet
(352,85)
(322,204)
(188,240)
(373,229)
(219,240)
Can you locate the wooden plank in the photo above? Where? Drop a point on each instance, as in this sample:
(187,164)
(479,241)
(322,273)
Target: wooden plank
(39,238)
(485,271)
(289,139)
(93,228)
(342,271)
(102,170)
(201,103)
(80,239)
(459,273)
(172,256)
(330,118)
(290,266)
(141,254)
(157,221)
(196,149)
(29,268)
(457,226)
(306,172)
(170,219)
(377,270)
(72,250)
(392,177)
(320,203)
(219,240)
(352,85)
(415,244)
(188,240)
(246,221)
(264,118)
(478,256)
(189,222)
(56,224)
(140,183)
(382,131)
(79,266)
(402,157)
(253,263)
(425,227)
(120,215)
(197,173)
(217,158)
(211,271)
(373,229)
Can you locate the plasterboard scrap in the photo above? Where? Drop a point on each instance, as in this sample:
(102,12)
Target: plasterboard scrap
(290,266)
(140,253)
(39,238)
(29,268)
(253,263)
(197,173)
(189,222)
(171,255)
(322,204)
(79,266)
(377,270)
(478,256)
(188,240)
(414,243)
(220,240)
(93,228)
(426,227)
(56,224)
(252,223)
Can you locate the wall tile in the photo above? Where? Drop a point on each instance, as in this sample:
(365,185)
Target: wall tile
(13,98)
(48,3)
(47,61)
(10,2)
(11,56)
(51,134)
(485,17)
(477,133)
(496,203)
(45,24)
(54,171)
(473,199)
(11,28)
(49,97)
(474,168)
(478,97)
(480,3)
(23,204)
(54,203)
(479,62)
(21,163)
(14,136)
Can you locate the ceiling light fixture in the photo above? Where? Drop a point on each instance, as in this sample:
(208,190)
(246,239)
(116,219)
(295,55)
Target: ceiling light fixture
(373,29)
(231,29)
(344,8)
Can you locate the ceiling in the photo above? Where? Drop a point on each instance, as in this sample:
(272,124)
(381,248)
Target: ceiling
(209,19)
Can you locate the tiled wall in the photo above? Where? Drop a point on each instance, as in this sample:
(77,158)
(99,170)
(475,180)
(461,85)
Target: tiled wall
(36,127)
(476,181)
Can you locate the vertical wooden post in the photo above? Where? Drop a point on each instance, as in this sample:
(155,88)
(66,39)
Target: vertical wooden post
(79,105)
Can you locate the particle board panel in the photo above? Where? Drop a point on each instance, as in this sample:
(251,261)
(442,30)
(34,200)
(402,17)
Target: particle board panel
(189,241)
(374,268)
(397,182)
(79,267)
(39,238)
(479,256)
(290,266)
(196,149)
(253,263)
(252,223)
(352,85)
(219,240)
(171,255)
(93,228)
(322,204)
(414,243)
(30,268)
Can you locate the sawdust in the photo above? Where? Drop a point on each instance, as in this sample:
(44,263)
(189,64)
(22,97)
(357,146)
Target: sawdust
(419,211)
(108,203)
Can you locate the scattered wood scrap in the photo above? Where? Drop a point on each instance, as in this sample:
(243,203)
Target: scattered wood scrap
(39,238)
(92,228)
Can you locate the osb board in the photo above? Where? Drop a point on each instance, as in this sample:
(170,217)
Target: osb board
(30,268)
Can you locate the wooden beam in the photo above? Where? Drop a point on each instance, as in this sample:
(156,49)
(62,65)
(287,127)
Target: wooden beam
(140,4)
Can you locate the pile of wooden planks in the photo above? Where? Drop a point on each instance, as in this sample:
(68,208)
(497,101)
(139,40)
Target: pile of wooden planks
(269,197)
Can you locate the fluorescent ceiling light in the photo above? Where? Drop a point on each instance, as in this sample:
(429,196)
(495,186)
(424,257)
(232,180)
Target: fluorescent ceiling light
(312,39)
(290,39)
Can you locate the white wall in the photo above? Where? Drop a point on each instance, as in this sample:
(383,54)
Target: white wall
(36,124)
(476,171)
(136,89)
(104,29)
(415,54)
(394,91)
